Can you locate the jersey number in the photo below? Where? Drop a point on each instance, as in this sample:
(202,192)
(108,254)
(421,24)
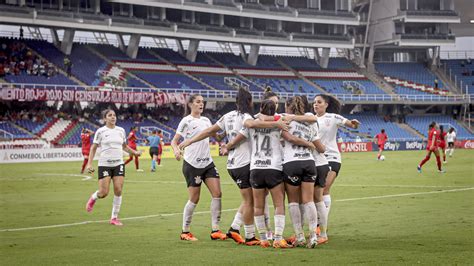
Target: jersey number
(264,146)
(298,135)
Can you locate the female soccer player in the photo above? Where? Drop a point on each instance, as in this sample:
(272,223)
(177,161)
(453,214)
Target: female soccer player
(132,138)
(155,141)
(442,142)
(432,147)
(86,145)
(160,148)
(238,161)
(380,139)
(198,167)
(451,138)
(327,110)
(300,173)
(112,142)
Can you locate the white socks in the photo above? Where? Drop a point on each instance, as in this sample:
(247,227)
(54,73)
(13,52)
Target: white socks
(188,215)
(95,196)
(323,218)
(116,206)
(266,213)
(311,213)
(216,213)
(249,231)
(237,221)
(262,229)
(279,226)
(327,202)
(295,215)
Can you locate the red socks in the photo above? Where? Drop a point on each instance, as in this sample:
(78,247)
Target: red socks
(136,162)
(438,162)
(84,165)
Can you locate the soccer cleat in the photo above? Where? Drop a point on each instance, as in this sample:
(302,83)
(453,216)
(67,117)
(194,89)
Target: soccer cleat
(291,240)
(252,242)
(90,204)
(153,170)
(281,244)
(442,171)
(418,168)
(116,222)
(312,243)
(264,243)
(318,231)
(187,236)
(235,235)
(445,162)
(322,240)
(139,170)
(298,243)
(218,235)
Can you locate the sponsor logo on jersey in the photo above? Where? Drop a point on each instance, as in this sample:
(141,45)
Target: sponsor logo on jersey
(263,162)
(301,155)
(203,159)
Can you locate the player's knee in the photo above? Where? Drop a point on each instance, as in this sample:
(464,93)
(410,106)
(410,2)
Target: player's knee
(118,192)
(102,194)
(216,194)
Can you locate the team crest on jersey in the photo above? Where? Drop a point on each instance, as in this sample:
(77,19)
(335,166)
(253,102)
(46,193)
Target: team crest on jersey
(197,179)
(293,179)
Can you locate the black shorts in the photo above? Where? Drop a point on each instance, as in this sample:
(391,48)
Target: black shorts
(299,171)
(153,151)
(451,144)
(322,171)
(111,171)
(335,167)
(195,176)
(265,178)
(241,176)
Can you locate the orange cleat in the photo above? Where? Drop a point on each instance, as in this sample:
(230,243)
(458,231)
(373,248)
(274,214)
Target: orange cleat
(252,242)
(291,240)
(322,240)
(264,243)
(318,231)
(188,236)
(218,235)
(281,244)
(235,235)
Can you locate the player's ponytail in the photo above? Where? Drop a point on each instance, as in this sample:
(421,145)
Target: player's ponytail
(296,105)
(268,93)
(268,107)
(334,106)
(441,130)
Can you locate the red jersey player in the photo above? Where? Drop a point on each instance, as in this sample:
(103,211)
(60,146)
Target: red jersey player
(432,147)
(86,145)
(381,139)
(132,138)
(442,142)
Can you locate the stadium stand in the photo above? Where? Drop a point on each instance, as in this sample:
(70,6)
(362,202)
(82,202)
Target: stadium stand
(463,70)
(420,123)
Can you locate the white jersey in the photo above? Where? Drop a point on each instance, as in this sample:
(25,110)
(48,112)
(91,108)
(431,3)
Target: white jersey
(110,141)
(197,154)
(450,137)
(266,148)
(232,123)
(328,125)
(292,152)
(319,158)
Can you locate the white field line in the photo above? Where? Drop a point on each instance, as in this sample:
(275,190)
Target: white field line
(228,210)
(86,177)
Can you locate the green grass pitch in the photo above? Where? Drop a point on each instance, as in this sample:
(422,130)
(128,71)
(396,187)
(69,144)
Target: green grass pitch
(382,213)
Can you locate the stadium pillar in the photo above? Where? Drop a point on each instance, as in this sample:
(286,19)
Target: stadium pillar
(324,60)
(435,57)
(66,44)
(54,36)
(180,47)
(243,53)
(60,4)
(21,2)
(132,49)
(253,55)
(192,50)
(121,43)
(317,56)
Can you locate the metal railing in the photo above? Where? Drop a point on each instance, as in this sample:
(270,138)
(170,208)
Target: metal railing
(257,95)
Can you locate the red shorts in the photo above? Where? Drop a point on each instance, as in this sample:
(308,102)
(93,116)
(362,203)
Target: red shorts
(85,153)
(433,148)
(442,145)
(160,150)
(381,146)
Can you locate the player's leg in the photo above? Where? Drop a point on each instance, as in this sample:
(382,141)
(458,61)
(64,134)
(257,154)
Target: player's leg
(259,206)
(117,201)
(158,158)
(427,158)
(278,197)
(214,186)
(153,162)
(84,163)
(307,196)
(129,159)
(438,160)
(104,184)
(293,193)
